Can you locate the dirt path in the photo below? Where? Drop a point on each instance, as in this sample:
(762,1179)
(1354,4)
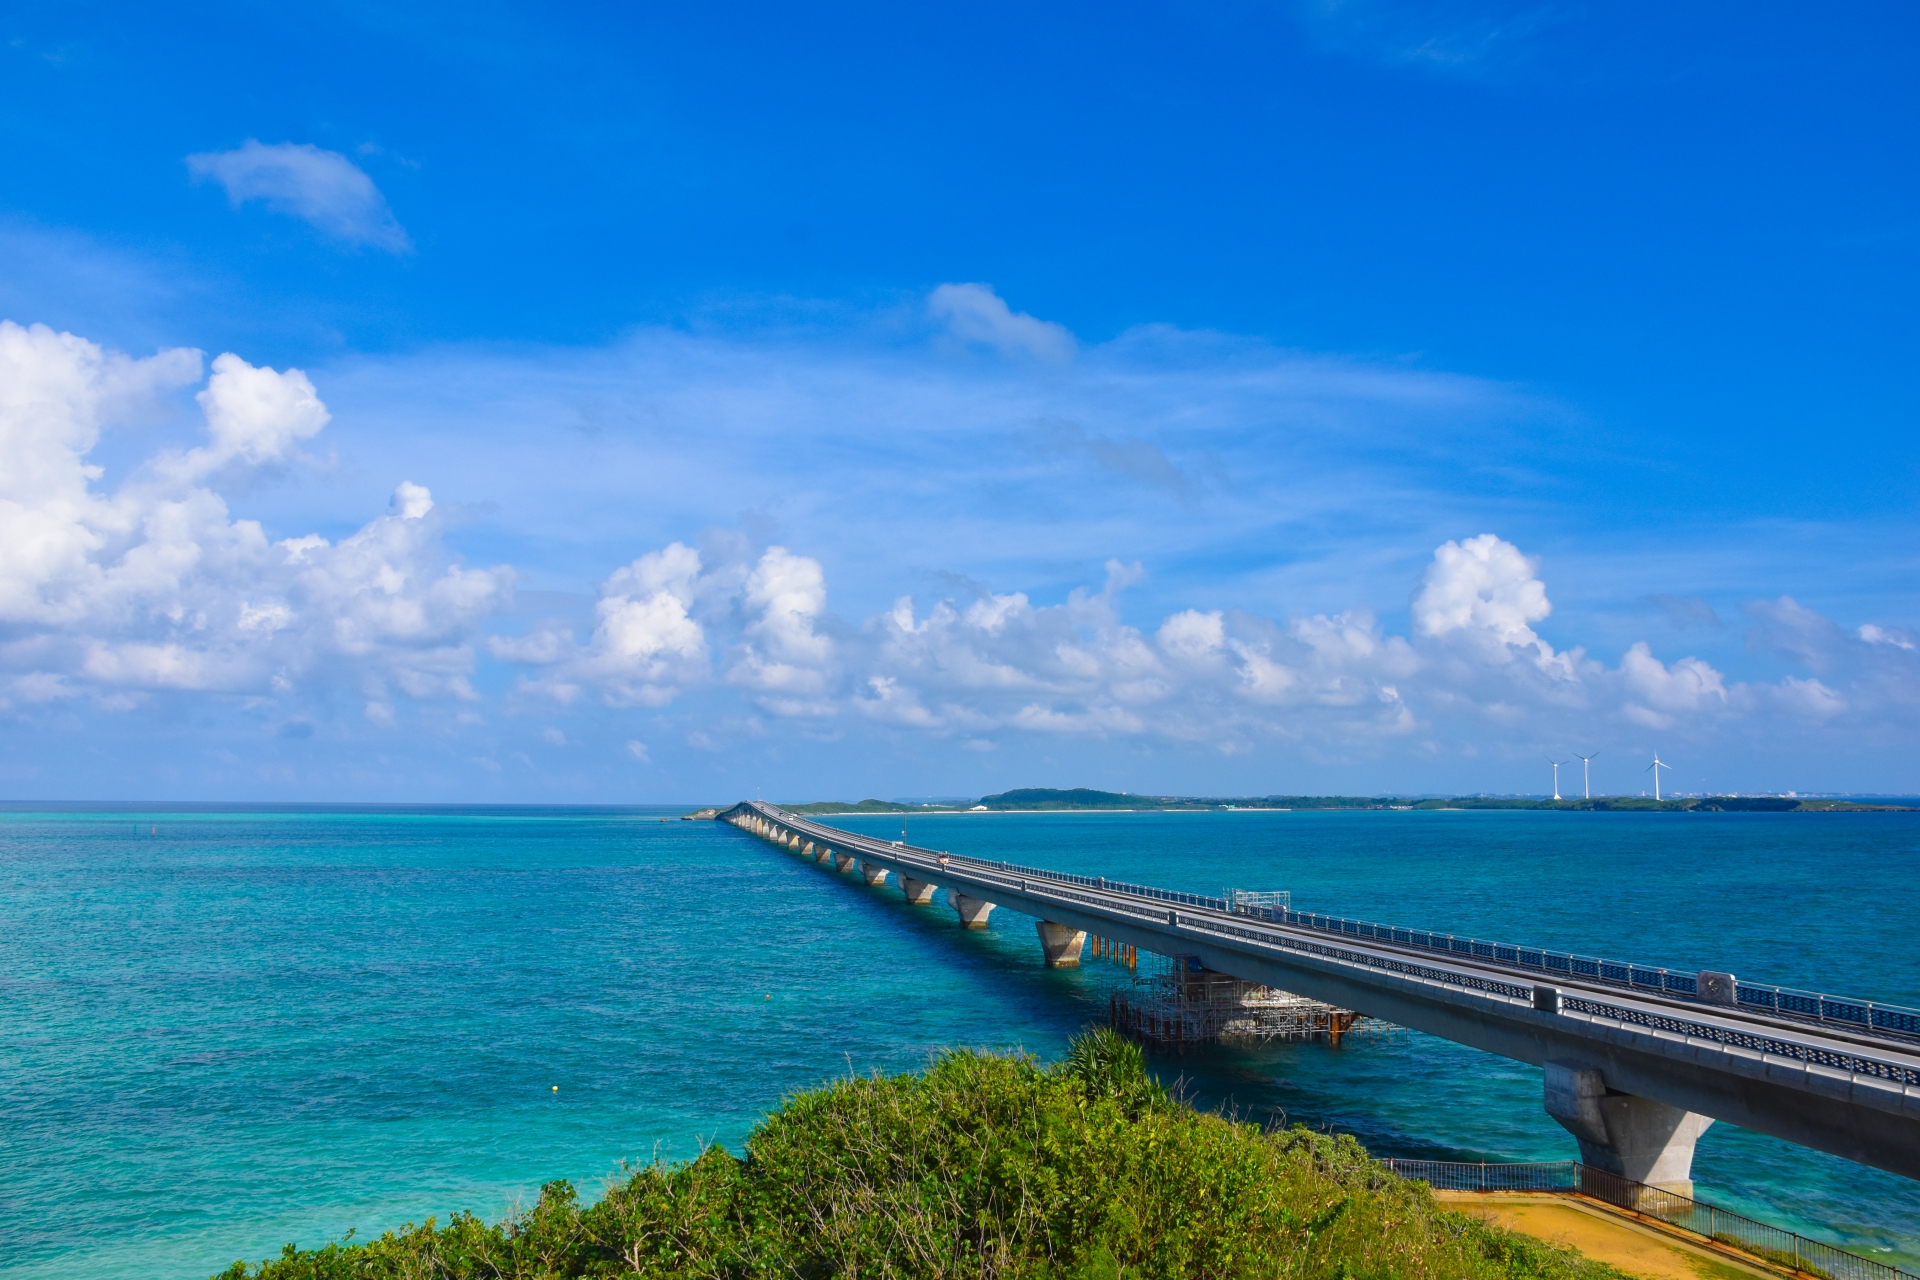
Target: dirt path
(1607,1237)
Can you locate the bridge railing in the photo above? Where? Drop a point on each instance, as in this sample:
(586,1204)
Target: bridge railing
(1492,984)
(1887,1020)
(1469,979)
(1787,1002)
(1101,883)
(1773,1244)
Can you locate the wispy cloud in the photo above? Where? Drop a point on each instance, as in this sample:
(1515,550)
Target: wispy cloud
(1686,611)
(323,188)
(975,314)
(1133,457)
(1462,37)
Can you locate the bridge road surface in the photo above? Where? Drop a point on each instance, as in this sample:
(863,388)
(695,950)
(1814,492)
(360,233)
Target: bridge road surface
(1606,1051)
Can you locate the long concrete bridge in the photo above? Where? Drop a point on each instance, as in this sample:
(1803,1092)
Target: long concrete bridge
(1638,1060)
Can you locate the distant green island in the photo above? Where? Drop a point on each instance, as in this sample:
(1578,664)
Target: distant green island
(1085,799)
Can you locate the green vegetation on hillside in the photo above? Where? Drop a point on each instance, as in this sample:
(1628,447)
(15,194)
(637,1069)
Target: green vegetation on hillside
(865,806)
(984,1166)
(1076,798)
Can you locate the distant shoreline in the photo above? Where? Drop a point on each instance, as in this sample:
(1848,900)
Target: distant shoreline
(1035,801)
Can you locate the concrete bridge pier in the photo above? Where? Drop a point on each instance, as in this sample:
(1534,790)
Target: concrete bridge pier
(918,892)
(1061,943)
(843,862)
(873,874)
(973,912)
(806,852)
(1638,1138)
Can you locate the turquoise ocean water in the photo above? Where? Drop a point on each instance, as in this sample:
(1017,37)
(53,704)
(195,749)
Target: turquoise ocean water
(224,1029)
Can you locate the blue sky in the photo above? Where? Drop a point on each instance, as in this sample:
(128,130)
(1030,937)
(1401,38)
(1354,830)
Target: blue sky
(569,403)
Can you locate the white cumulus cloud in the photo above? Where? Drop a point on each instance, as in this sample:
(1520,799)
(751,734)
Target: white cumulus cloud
(645,644)
(1482,584)
(783,656)
(1484,592)
(153,586)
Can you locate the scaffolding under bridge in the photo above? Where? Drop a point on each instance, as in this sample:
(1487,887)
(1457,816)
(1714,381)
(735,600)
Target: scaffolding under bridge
(1190,1004)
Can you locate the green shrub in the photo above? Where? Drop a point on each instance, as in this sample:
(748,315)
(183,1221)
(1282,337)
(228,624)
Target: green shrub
(983,1166)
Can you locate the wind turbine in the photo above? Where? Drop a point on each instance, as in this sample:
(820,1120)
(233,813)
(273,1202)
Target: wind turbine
(1556,774)
(1657,765)
(1586,773)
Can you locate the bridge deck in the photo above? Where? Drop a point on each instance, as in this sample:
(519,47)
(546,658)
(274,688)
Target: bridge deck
(1853,1091)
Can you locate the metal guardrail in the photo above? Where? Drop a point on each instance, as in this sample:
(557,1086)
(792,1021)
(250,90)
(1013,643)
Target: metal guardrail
(1776,1245)
(1894,1022)
(1572,1003)
(1101,883)
(1786,1002)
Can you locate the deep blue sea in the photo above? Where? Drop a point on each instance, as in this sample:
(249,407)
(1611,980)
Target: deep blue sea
(224,1029)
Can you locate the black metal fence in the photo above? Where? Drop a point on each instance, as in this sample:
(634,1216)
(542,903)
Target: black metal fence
(1776,1245)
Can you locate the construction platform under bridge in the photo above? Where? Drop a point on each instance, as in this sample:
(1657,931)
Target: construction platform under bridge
(1188,1003)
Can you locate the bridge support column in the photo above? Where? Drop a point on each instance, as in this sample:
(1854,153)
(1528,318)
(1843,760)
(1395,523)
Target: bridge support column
(806,851)
(973,912)
(843,862)
(918,892)
(872,874)
(1061,944)
(1638,1138)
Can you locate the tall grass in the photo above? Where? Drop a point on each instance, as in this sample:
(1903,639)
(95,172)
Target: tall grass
(983,1166)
